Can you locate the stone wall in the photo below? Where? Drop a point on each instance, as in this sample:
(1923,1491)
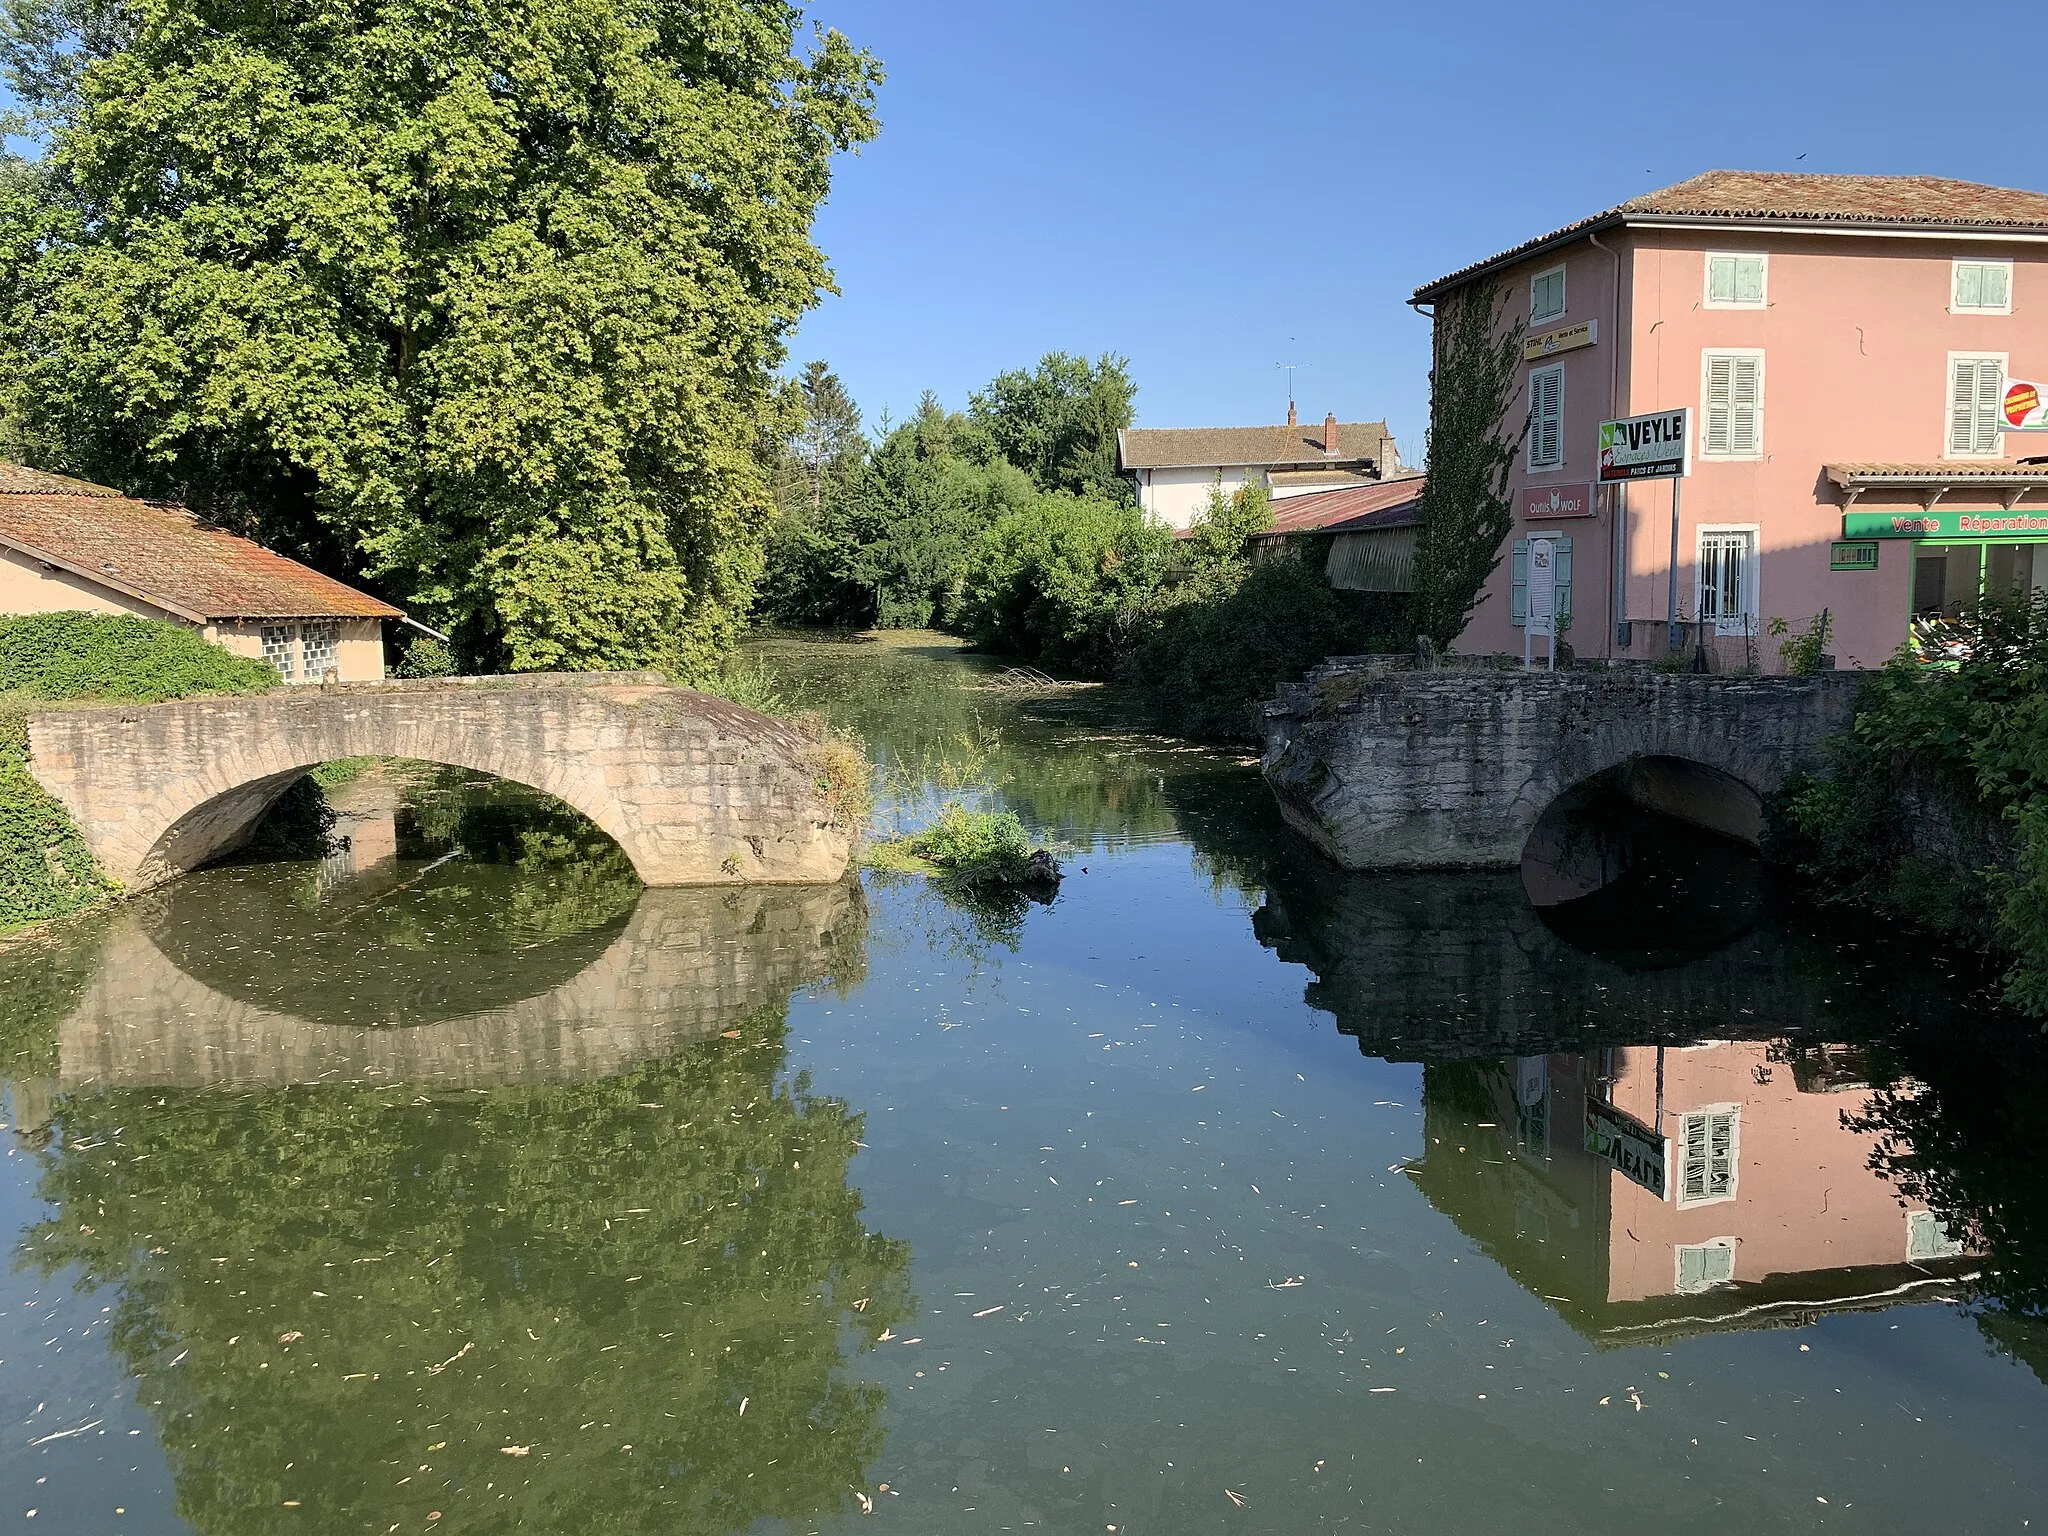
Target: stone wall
(1390,768)
(694,789)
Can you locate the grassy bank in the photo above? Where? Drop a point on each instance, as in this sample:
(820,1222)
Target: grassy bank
(46,869)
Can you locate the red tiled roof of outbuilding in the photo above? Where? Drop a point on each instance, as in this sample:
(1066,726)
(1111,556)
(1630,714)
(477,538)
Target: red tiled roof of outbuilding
(1349,509)
(165,555)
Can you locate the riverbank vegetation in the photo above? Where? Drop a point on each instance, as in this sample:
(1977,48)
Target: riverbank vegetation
(482,308)
(1935,813)
(1008,525)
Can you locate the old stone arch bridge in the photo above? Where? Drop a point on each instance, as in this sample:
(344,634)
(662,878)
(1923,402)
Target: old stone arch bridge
(694,789)
(1452,768)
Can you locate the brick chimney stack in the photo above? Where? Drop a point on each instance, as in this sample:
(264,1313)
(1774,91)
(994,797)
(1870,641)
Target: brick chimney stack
(1330,435)
(1290,415)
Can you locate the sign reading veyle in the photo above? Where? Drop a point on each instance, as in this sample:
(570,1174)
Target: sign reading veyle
(1638,1153)
(1567,338)
(1653,447)
(1547,501)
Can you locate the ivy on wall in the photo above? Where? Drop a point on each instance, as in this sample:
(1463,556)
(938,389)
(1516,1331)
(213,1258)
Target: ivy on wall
(1466,513)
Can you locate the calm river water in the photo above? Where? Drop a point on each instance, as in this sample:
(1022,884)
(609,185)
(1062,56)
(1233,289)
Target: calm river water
(456,1183)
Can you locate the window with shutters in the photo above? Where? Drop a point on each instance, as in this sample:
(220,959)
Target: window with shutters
(1733,415)
(1546,295)
(1927,1238)
(1708,1146)
(1976,386)
(1702,1266)
(1546,417)
(1728,580)
(1981,287)
(280,648)
(1735,281)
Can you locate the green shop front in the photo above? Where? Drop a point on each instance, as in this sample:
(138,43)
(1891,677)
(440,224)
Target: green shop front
(1968,530)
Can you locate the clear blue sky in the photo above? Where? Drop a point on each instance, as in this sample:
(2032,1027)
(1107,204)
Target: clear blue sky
(1214,188)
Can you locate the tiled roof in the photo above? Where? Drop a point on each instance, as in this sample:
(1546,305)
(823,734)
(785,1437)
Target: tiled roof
(1350,509)
(1878,202)
(164,555)
(1949,470)
(1212,447)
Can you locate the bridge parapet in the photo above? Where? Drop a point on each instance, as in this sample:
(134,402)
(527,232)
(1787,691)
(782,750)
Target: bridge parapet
(1384,767)
(695,789)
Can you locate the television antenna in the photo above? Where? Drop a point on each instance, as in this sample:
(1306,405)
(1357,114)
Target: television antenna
(1288,369)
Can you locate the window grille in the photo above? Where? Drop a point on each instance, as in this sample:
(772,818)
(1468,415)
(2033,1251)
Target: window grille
(1727,582)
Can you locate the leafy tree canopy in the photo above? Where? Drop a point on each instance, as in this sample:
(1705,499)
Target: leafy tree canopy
(1058,423)
(482,303)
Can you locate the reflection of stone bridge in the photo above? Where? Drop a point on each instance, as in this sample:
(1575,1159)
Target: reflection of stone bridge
(687,965)
(1452,768)
(695,790)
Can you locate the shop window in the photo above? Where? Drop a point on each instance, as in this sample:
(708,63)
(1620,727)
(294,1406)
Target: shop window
(1735,282)
(1546,417)
(280,648)
(1728,583)
(1708,1146)
(1702,1266)
(321,646)
(2015,570)
(1976,386)
(1981,287)
(1546,295)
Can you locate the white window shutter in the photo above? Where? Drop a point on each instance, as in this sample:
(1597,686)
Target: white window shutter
(1742,405)
(1990,390)
(1518,585)
(1995,280)
(1969,286)
(1720,392)
(1962,406)
(1749,279)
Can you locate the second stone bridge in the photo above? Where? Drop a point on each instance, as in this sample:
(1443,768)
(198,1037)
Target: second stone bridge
(1452,768)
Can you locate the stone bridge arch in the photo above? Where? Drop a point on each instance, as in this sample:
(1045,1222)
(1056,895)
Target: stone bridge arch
(1385,768)
(694,789)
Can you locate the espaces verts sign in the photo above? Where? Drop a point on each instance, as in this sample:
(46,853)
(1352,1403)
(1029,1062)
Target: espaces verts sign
(1944,524)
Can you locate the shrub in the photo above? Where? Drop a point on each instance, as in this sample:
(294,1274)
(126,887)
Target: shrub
(427,657)
(1218,646)
(119,658)
(1057,580)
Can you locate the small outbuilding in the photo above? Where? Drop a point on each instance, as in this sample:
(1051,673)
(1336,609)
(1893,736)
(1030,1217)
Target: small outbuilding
(1362,537)
(70,545)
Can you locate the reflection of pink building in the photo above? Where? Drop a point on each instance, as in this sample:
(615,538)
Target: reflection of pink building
(1765,1179)
(1846,345)
(1772,1207)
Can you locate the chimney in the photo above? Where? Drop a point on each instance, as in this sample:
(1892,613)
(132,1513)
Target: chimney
(1330,435)
(1290,413)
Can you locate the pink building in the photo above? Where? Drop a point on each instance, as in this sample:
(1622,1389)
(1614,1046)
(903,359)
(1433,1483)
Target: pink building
(1849,347)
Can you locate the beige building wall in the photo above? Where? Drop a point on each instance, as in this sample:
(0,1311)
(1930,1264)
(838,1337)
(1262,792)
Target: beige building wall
(29,586)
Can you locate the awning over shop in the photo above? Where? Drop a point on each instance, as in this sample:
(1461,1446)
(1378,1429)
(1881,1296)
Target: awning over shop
(1985,482)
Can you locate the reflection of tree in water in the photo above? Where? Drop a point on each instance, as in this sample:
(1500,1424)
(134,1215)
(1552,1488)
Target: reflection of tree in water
(326,1289)
(1964,1133)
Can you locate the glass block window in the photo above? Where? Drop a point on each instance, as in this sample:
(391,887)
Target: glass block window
(280,649)
(320,646)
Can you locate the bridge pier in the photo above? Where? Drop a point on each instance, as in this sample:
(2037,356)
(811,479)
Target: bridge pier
(1384,767)
(694,789)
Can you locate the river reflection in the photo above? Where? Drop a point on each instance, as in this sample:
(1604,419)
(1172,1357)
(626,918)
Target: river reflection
(492,1192)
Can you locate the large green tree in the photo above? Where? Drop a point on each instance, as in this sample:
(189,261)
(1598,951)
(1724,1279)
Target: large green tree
(1058,422)
(482,302)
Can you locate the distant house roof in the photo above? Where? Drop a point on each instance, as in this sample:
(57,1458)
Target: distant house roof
(1349,509)
(1868,202)
(1267,447)
(164,555)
